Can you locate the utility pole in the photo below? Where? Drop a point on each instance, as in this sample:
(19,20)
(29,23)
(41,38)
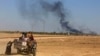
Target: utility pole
(43,22)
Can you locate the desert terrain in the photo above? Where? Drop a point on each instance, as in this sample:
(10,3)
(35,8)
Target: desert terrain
(57,45)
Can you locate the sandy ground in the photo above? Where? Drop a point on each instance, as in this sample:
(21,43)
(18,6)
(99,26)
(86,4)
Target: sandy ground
(58,45)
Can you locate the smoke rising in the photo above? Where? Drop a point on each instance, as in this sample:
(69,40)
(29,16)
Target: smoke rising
(29,10)
(58,9)
(43,11)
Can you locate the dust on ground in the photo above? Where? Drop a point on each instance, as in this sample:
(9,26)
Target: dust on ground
(57,45)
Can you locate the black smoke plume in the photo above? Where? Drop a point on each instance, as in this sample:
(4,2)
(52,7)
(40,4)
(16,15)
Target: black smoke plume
(29,10)
(58,9)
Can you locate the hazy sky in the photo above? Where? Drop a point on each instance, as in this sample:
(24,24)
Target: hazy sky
(83,14)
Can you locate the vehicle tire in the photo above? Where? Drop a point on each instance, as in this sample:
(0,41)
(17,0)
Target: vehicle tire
(34,48)
(34,52)
(8,48)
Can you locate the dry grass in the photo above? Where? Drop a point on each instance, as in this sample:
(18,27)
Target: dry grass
(60,45)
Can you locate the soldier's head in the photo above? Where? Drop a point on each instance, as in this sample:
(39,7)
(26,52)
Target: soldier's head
(29,34)
(24,34)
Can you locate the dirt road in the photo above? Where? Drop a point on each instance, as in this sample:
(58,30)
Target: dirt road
(61,46)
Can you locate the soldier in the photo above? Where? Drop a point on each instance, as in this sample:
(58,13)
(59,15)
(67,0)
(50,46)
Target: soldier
(30,36)
(31,41)
(24,35)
